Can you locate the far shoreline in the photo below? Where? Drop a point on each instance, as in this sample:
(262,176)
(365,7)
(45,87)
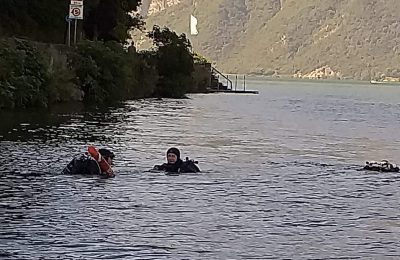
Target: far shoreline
(257,77)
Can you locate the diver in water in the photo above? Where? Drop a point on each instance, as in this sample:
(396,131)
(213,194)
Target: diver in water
(87,165)
(383,166)
(176,165)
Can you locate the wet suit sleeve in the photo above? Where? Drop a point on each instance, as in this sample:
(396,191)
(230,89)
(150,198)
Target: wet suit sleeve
(160,167)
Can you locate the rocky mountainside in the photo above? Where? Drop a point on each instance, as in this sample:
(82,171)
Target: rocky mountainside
(356,39)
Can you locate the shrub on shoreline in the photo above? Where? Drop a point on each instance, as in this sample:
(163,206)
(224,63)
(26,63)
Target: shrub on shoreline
(37,75)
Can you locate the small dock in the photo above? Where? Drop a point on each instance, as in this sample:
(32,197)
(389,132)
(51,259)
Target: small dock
(233,91)
(221,83)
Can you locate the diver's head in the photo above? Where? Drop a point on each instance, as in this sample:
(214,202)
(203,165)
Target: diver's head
(173,155)
(107,155)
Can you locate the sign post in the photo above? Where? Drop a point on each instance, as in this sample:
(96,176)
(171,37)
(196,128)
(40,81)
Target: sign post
(75,13)
(75,32)
(69,30)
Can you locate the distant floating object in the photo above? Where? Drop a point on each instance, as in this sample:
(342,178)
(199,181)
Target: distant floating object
(376,82)
(385,82)
(383,166)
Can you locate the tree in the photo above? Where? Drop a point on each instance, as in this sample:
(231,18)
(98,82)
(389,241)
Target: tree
(41,20)
(174,62)
(111,19)
(44,20)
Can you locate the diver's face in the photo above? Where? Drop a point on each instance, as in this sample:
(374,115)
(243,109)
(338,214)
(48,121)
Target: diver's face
(172,158)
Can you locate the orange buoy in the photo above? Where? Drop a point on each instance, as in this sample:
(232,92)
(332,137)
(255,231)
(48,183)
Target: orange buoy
(104,166)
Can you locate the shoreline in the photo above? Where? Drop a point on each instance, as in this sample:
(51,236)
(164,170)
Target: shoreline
(294,79)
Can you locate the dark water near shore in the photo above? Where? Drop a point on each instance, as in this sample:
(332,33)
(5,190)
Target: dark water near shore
(279,178)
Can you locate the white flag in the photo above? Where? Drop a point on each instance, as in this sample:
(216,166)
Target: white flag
(193,25)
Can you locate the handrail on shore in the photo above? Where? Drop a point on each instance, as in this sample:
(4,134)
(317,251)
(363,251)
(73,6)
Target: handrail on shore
(228,81)
(229,84)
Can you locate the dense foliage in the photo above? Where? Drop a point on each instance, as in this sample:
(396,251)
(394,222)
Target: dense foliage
(38,74)
(45,20)
(111,19)
(42,20)
(105,71)
(174,62)
(24,79)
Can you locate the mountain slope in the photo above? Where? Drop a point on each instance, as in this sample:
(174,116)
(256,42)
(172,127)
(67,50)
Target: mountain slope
(356,38)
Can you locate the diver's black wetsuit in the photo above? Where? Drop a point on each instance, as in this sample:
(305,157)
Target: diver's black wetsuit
(83,164)
(383,166)
(180,166)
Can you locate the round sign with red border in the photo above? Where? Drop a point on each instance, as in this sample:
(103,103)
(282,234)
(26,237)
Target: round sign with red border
(76,12)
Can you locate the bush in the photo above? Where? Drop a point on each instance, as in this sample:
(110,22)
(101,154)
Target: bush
(199,59)
(174,62)
(106,72)
(24,81)
(61,85)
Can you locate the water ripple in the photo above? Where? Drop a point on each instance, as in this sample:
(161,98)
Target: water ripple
(280,178)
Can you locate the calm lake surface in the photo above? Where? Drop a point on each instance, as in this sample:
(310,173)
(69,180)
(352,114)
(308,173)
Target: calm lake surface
(280,177)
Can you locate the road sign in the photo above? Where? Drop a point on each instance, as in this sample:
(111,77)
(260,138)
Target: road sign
(76,2)
(76,12)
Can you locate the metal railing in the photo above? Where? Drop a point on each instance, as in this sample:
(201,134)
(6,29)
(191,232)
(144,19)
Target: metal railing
(229,83)
(241,79)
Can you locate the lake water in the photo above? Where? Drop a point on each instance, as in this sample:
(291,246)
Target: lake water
(279,177)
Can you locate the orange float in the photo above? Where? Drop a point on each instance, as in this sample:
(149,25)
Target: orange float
(104,166)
